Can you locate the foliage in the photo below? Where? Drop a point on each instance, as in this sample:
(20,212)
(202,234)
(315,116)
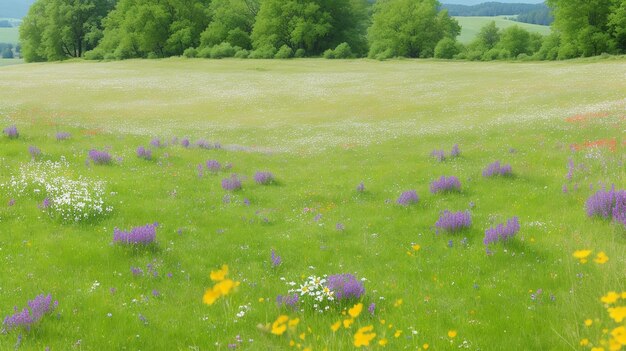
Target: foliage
(342,51)
(447,48)
(284,52)
(409,28)
(231,22)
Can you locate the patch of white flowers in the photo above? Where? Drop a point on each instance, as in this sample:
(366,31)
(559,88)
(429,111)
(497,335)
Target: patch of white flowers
(314,292)
(72,200)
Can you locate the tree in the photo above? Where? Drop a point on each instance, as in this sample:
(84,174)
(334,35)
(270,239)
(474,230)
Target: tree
(57,29)
(232,22)
(588,27)
(446,48)
(7,53)
(489,36)
(409,28)
(515,40)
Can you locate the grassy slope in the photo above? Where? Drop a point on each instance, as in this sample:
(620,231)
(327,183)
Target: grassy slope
(470,26)
(328,126)
(9,35)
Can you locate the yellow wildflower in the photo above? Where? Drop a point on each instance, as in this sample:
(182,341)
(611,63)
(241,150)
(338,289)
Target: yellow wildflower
(584,342)
(307,349)
(225,286)
(347,323)
(397,303)
(619,334)
(294,322)
(382,342)
(356,310)
(397,333)
(210,296)
(597,349)
(452,334)
(335,326)
(363,336)
(425,346)
(617,313)
(610,297)
(582,255)
(220,274)
(280,325)
(588,322)
(601,258)
(302,336)
(416,247)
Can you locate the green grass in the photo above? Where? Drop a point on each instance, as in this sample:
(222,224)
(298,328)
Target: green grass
(470,26)
(8,62)
(9,35)
(321,127)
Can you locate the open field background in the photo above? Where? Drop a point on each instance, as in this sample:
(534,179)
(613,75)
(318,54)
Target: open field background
(321,127)
(9,35)
(470,26)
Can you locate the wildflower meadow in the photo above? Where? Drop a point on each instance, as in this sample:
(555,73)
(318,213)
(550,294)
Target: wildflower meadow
(354,205)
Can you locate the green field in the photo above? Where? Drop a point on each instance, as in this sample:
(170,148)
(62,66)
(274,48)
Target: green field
(470,26)
(321,127)
(9,35)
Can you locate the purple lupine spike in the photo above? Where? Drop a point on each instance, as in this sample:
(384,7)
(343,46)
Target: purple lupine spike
(439,155)
(371,308)
(455,152)
(11,132)
(63,136)
(263,178)
(495,169)
(156,142)
(144,153)
(608,204)
(452,222)
(345,286)
(185,142)
(361,187)
(445,184)
(502,232)
(276,260)
(213,166)
(570,169)
(34,151)
(290,301)
(99,157)
(137,235)
(407,198)
(232,183)
(26,318)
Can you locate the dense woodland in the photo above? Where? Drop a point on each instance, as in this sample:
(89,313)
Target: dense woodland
(123,29)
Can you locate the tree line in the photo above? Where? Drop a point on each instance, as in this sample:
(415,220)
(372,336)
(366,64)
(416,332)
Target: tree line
(123,29)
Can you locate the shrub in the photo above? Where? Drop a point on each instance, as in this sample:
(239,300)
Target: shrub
(454,221)
(232,183)
(445,184)
(446,48)
(99,157)
(343,51)
(300,53)
(408,198)
(284,52)
(95,54)
(329,54)
(223,50)
(264,52)
(345,286)
(190,52)
(242,54)
(495,169)
(502,232)
(263,178)
(138,235)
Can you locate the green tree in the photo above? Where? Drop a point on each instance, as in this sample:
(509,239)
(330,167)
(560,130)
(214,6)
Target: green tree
(515,40)
(56,29)
(409,28)
(446,48)
(7,53)
(232,22)
(588,27)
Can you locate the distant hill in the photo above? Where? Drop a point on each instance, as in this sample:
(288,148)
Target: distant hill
(476,2)
(14,8)
(528,13)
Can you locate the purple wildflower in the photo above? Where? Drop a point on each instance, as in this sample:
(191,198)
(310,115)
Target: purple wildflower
(361,187)
(246,202)
(495,169)
(137,272)
(155,293)
(200,170)
(99,157)
(317,217)
(184,142)
(45,204)
(25,318)
(455,152)
(11,202)
(63,136)
(570,169)
(407,198)
(156,142)
(232,183)
(288,301)
(276,260)
(204,144)
(34,151)
(608,204)
(502,232)
(143,319)
(345,286)
(144,153)
(564,189)
(454,221)
(445,184)
(213,166)
(340,227)
(263,178)
(371,308)
(138,235)
(439,155)
(11,132)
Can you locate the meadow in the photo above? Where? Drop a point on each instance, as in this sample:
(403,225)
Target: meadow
(470,26)
(9,35)
(343,141)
